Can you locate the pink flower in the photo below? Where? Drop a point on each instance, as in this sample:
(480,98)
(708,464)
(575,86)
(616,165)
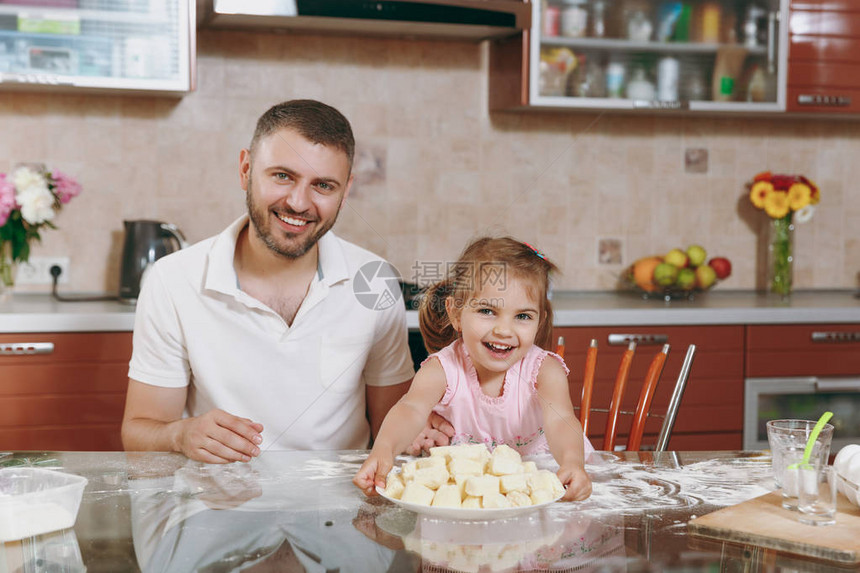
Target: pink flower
(65,187)
(7,198)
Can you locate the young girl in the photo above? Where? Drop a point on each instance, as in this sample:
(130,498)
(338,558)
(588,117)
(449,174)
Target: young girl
(489,323)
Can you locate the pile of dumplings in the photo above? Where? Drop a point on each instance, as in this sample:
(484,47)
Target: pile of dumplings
(468,476)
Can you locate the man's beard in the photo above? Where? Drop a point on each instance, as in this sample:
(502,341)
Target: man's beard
(260,221)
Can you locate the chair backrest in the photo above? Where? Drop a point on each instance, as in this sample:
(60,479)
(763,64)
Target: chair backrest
(643,405)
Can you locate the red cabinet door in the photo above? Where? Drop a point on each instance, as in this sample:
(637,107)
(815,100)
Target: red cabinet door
(824,56)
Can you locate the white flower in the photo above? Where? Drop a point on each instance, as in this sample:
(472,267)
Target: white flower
(805,214)
(37,204)
(23,178)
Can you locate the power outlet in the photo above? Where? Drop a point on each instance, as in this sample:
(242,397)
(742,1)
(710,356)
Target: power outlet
(37,271)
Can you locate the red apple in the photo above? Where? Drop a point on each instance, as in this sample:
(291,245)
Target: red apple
(722,266)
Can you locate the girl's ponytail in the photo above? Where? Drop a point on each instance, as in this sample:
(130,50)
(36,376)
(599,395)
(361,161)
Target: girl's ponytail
(433,321)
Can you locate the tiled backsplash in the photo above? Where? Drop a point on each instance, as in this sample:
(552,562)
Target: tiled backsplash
(434,167)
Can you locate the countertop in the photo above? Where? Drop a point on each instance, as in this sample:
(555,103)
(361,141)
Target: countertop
(40,313)
(298,511)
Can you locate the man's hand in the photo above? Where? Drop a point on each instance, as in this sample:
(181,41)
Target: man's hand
(437,432)
(217,437)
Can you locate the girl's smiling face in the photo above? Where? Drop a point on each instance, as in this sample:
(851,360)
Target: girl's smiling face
(498,325)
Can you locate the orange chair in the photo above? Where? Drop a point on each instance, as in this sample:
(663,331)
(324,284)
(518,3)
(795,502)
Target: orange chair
(646,395)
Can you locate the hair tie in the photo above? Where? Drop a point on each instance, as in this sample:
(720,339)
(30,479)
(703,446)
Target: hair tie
(535,251)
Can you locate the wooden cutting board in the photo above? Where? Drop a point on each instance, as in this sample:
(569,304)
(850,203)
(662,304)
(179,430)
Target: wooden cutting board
(764,522)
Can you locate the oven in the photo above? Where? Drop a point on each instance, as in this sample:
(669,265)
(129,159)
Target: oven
(802,397)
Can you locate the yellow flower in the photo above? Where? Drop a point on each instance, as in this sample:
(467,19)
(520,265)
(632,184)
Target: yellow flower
(799,196)
(776,204)
(759,192)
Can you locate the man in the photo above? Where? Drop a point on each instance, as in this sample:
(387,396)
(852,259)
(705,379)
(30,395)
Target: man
(261,323)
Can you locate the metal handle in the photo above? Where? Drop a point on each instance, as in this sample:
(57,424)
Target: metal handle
(22,348)
(772,19)
(174,231)
(834,336)
(641,339)
(824,100)
(837,384)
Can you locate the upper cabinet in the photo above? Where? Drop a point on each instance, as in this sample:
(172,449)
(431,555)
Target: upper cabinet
(824,57)
(696,55)
(143,46)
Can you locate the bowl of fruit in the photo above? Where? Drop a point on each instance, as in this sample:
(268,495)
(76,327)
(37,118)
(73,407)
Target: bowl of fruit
(679,274)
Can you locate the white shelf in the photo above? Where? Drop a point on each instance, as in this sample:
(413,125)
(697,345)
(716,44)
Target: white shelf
(619,45)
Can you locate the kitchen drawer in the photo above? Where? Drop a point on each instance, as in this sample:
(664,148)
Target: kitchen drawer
(825,49)
(825,23)
(96,438)
(837,5)
(67,347)
(61,410)
(712,406)
(825,74)
(803,350)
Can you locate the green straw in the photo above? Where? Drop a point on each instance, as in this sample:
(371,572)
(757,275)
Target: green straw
(807,453)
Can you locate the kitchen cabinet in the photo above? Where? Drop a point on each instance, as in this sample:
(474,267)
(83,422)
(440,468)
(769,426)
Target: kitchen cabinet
(802,371)
(137,46)
(824,57)
(715,56)
(63,391)
(711,412)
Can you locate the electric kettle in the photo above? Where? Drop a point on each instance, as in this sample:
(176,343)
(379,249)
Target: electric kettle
(145,242)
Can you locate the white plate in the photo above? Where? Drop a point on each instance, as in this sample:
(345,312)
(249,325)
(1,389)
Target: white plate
(479,514)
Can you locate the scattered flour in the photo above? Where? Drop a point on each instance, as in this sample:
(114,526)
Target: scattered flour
(635,487)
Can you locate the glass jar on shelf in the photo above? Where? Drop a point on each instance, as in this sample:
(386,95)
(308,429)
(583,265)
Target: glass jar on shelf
(597,23)
(639,27)
(640,87)
(574,18)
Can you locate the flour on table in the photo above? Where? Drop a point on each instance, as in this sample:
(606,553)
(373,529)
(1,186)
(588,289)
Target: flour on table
(633,487)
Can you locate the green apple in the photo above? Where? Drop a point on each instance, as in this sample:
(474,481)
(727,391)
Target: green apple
(676,257)
(697,255)
(686,279)
(705,277)
(665,274)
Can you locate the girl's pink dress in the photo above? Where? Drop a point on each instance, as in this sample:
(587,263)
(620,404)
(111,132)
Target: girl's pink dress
(515,418)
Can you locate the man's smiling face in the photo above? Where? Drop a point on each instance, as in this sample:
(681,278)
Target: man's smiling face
(294,190)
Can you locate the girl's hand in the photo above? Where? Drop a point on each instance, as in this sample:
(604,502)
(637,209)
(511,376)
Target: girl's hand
(576,481)
(372,473)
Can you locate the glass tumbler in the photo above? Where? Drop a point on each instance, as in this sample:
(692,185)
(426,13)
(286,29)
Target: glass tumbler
(816,494)
(787,440)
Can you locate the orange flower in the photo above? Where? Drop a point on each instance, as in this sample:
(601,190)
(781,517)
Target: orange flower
(763,176)
(776,204)
(799,196)
(759,191)
(816,194)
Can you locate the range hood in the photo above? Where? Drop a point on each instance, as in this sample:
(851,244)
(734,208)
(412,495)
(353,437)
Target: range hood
(473,20)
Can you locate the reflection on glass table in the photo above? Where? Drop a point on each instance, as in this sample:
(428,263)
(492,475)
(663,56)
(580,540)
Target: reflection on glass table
(298,511)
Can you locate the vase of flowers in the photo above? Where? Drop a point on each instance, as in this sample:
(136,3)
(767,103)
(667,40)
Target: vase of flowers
(786,199)
(30,198)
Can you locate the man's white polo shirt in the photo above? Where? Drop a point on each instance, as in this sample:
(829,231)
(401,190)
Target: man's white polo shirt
(305,382)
